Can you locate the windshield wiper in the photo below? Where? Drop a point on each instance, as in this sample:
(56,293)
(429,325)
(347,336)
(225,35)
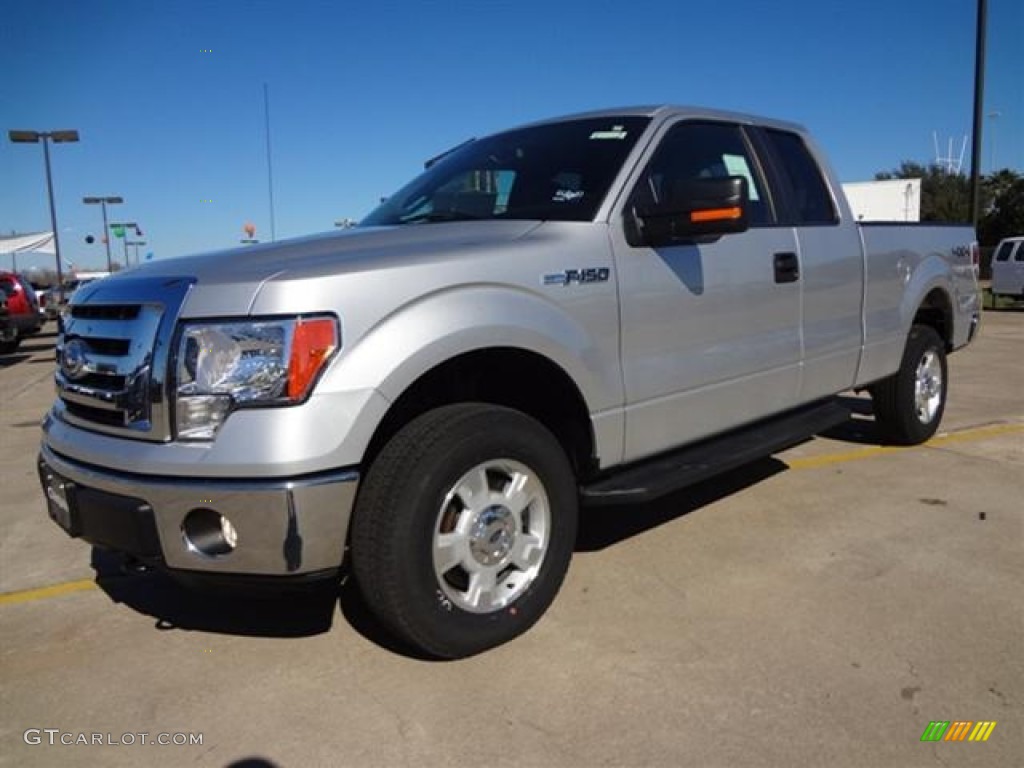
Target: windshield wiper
(440,216)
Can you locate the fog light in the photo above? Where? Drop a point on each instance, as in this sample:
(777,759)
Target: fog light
(209,533)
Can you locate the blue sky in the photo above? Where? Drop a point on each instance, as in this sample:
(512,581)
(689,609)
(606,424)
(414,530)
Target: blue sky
(362,93)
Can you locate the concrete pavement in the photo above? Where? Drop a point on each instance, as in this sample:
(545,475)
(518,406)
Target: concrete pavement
(820,607)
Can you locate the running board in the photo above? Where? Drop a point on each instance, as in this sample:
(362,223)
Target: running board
(651,478)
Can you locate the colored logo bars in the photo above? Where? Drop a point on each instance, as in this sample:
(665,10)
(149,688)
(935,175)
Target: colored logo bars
(943,730)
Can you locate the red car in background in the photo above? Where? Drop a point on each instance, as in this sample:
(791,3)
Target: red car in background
(22,308)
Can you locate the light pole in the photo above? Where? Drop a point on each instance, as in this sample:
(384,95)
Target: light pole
(122,225)
(136,244)
(104,202)
(980,33)
(992,116)
(57,137)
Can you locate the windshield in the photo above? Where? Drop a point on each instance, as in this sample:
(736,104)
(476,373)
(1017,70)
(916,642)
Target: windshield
(557,171)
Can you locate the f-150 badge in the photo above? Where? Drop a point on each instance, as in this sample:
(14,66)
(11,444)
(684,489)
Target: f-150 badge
(581,276)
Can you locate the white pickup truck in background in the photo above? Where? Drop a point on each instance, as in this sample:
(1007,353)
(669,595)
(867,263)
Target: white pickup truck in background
(601,308)
(1008,268)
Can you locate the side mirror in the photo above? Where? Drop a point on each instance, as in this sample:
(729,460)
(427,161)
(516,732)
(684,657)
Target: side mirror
(695,209)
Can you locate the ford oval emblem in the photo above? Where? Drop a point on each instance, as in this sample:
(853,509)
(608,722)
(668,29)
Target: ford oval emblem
(75,360)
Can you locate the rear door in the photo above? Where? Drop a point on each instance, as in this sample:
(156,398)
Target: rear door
(1002,268)
(710,332)
(831,262)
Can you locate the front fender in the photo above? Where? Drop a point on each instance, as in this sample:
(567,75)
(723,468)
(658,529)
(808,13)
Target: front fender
(437,327)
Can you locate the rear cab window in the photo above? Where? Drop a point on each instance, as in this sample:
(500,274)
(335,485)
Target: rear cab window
(798,180)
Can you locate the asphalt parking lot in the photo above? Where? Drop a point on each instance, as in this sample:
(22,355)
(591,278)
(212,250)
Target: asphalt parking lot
(819,607)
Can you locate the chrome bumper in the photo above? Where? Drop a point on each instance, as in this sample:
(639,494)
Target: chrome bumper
(285,527)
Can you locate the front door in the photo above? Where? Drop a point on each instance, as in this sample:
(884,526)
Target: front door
(710,330)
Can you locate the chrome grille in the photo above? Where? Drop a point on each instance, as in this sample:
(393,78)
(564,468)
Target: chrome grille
(112,357)
(105,311)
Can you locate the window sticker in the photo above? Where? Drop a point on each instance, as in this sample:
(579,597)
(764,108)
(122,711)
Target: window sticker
(736,165)
(617,132)
(567,195)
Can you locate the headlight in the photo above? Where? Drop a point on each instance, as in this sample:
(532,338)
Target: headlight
(224,366)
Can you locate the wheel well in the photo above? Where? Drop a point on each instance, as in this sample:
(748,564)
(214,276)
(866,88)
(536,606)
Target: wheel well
(514,378)
(937,312)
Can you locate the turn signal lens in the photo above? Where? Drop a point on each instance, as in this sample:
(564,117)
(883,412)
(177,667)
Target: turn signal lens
(716,214)
(313,341)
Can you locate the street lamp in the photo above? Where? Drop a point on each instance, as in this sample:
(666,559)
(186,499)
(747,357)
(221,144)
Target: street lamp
(123,225)
(57,137)
(135,243)
(104,201)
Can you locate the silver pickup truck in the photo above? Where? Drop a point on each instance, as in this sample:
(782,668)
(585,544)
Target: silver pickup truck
(596,309)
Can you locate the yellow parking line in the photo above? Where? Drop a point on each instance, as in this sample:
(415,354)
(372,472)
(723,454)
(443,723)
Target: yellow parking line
(41,593)
(809,462)
(967,435)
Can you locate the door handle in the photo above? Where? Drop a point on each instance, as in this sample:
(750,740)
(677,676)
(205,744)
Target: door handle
(787,267)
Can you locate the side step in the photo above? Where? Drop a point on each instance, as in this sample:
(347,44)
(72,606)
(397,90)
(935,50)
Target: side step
(651,478)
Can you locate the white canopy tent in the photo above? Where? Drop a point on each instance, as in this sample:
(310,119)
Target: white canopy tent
(40,242)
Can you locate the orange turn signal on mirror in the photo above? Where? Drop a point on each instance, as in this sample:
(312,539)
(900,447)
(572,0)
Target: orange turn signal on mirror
(716,214)
(313,341)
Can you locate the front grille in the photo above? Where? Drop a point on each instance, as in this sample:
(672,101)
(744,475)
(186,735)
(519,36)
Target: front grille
(103,365)
(112,357)
(105,311)
(112,382)
(116,347)
(96,415)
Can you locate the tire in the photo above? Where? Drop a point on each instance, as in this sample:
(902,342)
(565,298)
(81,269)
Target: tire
(7,347)
(910,403)
(441,548)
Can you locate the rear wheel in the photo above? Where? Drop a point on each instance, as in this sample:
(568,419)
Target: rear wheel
(464,528)
(910,403)
(7,347)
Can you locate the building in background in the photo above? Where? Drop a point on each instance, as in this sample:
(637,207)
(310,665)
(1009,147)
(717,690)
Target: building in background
(890,200)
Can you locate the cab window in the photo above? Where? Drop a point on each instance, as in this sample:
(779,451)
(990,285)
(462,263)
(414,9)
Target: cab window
(702,150)
(1003,254)
(803,186)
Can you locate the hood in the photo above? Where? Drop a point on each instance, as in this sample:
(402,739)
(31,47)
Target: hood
(332,253)
(226,283)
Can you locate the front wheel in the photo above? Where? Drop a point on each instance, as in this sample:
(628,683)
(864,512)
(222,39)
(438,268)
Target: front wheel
(910,403)
(464,528)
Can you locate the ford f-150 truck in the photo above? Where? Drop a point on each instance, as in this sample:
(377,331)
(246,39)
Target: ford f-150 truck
(596,309)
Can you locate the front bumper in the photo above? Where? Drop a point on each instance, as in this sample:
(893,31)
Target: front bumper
(286,527)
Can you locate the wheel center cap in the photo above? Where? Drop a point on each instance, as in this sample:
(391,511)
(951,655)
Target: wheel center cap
(492,535)
(929,385)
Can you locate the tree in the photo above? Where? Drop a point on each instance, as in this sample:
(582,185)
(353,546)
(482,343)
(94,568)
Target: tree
(945,196)
(997,184)
(1005,216)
